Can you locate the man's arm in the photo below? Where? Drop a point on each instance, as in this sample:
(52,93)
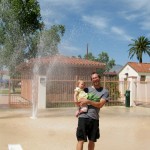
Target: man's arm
(95,104)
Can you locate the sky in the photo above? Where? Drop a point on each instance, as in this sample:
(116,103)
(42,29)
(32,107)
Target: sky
(105,25)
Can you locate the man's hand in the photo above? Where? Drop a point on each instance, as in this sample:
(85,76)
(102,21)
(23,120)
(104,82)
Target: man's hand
(100,104)
(83,101)
(77,103)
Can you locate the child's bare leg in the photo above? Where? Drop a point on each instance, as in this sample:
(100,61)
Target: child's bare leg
(77,113)
(83,109)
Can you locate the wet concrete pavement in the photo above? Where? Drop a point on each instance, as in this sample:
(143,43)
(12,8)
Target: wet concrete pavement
(54,129)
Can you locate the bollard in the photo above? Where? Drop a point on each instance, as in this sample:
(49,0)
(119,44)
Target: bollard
(127,101)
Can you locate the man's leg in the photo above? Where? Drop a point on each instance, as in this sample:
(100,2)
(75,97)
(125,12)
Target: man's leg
(80,145)
(91,145)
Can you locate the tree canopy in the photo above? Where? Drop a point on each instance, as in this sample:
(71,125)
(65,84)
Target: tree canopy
(138,47)
(22,33)
(89,56)
(102,57)
(45,43)
(20,20)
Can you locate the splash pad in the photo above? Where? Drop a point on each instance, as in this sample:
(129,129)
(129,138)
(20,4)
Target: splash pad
(124,128)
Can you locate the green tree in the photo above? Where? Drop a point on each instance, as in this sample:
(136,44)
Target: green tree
(49,40)
(89,56)
(45,43)
(20,20)
(138,47)
(28,15)
(1,75)
(79,56)
(103,57)
(22,33)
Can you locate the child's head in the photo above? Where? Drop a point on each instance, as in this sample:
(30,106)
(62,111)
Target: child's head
(81,84)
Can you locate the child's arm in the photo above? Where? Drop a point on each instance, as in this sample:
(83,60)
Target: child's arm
(75,98)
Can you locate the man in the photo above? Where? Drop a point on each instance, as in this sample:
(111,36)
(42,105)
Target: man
(88,122)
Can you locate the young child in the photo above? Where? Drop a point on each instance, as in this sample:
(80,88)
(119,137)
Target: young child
(78,94)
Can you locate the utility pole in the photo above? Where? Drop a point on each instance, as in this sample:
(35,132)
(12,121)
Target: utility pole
(87,52)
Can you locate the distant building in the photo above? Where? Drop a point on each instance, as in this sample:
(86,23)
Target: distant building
(59,67)
(114,71)
(59,75)
(135,77)
(141,71)
(110,74)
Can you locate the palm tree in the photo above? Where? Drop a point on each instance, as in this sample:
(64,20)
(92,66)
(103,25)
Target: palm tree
(138,47)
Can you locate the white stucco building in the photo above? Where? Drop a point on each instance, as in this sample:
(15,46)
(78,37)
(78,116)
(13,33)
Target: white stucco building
(141,71)
(136,78)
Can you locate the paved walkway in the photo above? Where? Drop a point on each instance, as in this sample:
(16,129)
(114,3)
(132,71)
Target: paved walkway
(54,129)
(4,99)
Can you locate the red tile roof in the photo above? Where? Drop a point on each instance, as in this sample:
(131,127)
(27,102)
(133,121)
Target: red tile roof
(110,73)
(140,67)
(59,59)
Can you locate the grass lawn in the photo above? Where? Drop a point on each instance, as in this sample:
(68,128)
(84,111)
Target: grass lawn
(6,91)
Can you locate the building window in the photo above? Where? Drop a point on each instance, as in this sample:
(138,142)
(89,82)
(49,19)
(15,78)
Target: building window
(142,78)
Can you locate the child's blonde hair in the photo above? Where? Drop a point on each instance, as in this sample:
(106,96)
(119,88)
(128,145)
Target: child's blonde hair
(79,81)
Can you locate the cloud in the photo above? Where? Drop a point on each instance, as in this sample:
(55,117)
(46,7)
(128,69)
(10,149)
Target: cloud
(103,24)
(121,33)
(129,16)
(65,4)
(57,11)
(96,21)
(67,48)
(138,11)
(145,24)
(51,17)
(138,5)
(115,21)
